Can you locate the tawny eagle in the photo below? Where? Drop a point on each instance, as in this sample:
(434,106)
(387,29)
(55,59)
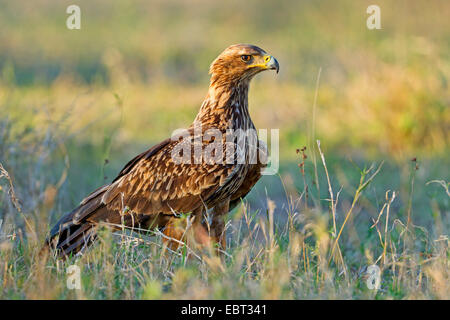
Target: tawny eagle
(153,189)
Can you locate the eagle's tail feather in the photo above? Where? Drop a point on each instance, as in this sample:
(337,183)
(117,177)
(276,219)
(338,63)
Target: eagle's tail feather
(68,238)
(69,235)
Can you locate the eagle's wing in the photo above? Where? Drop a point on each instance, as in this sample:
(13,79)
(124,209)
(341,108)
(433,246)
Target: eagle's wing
(154,183)
(150,184)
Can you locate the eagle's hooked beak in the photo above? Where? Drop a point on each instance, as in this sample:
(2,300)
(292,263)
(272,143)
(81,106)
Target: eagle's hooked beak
(266,62)
(271,63)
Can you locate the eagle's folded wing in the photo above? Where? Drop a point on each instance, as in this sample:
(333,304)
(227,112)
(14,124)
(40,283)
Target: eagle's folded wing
(154,183)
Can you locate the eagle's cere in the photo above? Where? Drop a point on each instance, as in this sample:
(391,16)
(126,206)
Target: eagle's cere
(152,190)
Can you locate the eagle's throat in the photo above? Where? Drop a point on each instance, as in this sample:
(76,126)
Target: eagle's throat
(226,107)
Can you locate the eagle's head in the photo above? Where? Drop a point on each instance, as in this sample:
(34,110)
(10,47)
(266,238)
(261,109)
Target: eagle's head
(241,62)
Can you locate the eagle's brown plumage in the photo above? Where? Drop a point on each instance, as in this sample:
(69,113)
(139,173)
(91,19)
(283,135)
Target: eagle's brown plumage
(152,189)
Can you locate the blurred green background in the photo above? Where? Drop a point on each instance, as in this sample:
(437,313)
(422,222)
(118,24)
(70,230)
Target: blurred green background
(381,91)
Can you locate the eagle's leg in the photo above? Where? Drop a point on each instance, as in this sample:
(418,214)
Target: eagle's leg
(217,227)
(174,232)
(177,230)
(198,232)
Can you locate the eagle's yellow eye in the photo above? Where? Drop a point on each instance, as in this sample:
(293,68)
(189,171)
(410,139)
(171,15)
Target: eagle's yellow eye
(246,57)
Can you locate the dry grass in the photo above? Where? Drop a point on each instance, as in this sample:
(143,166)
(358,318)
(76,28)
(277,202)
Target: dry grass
(302,251)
